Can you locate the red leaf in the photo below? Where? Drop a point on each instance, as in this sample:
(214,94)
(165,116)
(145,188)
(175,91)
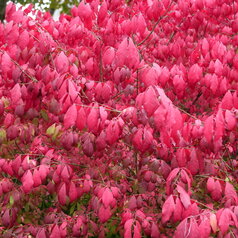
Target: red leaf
(227,101)
(168,209)
(104,213)
(217,192)
(127,54)
(224,220)
(209,129)
(112,132)
(185,198)
(107,197)
(36,178)
(132,203)
(27,181)
(65,174)
(70,117)
(181,157)
(137,230)
(219,130)
(154,231)
(177,216)
(213,222)
(192,210)
(16,94)
(62,194)
(151,102)
(23,39)
(171,176)
(193,164)
(43,171)
(230,194)
(6,219)
(127,228)
(6,63)
(72,90)
(41,233)
(194,74)
(210,184)
(62,63)
(92,120)
(81,119)
(230,120)
(55,233)
(102,13)
(73,193)
(187,228)
(108,56)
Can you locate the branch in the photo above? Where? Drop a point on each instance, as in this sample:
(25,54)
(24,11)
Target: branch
(22,70)
(156,24)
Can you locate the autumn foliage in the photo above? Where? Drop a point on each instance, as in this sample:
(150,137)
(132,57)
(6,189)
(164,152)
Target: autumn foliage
(120,120)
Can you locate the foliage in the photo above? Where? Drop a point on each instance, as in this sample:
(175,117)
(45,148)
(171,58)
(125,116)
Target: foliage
(120,120)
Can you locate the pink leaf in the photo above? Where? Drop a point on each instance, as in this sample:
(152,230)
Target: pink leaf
(127,54)
(230,194)
(16,94)
(151,102)
(210,184)
(132,203)
(168,209)
(62,63)
(227,101)
(70,117)
(171,176)
(55,233)
(177,216)
(181,157)
(23,39)
(81,119)
(194,74)
(112,132)
(209,129)
(62,194)
(107,197)
(137,230)
(73,193)
(185,198)
(36,178)
(193,164)
(219,131)
(104,213)
(92,120)
(108,56)
(127,228)
(72,90)
(41,233)
(27,181)
(230,120)
(6,63)
(187,228)
(213,222)
(224,220)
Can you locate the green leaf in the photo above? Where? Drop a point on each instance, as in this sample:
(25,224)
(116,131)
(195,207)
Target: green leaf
(3,134)
(72,209)
(44,115)
(11,201)
(51,130)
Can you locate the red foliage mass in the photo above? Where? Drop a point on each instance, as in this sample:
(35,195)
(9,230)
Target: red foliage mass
(120,120)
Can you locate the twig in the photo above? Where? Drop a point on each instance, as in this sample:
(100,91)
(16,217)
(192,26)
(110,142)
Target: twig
(22,70)
(111,110)
(195,118)
(156,24)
